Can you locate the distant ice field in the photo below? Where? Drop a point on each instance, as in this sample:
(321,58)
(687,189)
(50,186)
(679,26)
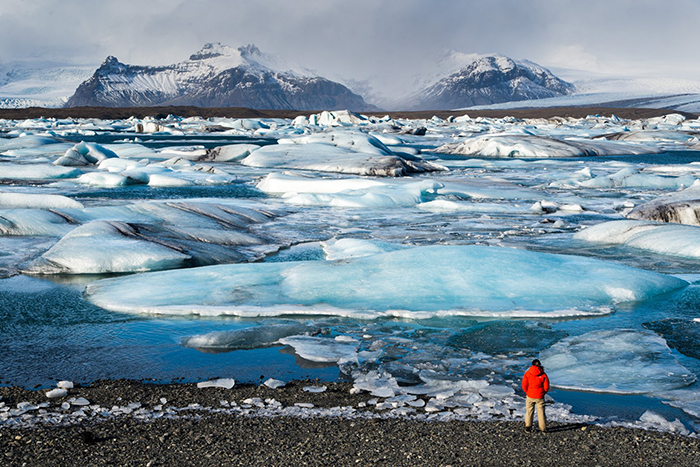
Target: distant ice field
(426,261)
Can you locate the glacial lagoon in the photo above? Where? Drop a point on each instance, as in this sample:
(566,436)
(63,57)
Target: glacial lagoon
(412,257)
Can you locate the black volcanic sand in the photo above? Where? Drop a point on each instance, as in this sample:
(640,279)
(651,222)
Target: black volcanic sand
(243,112)
(224,439)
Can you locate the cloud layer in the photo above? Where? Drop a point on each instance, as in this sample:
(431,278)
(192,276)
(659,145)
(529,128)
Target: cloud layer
(360,39)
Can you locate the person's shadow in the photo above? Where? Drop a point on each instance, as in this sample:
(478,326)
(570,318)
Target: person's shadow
(569,427)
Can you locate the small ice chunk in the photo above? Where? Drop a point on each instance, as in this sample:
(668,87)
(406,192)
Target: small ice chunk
(315,389)
(304,405)
(274,383)
(658,421)
(226,383)
(65,384)
(79,401)
(56,393)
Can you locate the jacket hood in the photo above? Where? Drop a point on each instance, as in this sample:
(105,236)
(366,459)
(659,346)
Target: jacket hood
(536,370)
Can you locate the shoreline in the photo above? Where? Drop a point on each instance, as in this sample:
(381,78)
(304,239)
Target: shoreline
(215,426)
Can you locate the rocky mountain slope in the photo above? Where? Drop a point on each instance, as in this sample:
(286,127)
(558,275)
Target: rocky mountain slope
(216,76)
(488,79)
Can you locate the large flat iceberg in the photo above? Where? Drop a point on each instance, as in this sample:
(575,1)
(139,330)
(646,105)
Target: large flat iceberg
(657,237)
(417,283)
(621,361)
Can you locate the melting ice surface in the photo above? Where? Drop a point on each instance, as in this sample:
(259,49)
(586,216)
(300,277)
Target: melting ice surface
(427,261)
(419,282)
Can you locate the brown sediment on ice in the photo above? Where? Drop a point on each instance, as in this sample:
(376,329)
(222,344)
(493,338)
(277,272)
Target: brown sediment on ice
(206,437)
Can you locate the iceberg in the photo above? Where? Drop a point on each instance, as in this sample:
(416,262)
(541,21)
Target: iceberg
(105,247)
(37,172)
(37,201)
(329,158)
(592,362)
(322,349)
(141,237)
(85,154)
(415,283)
(533,146)
(248,338)
(630,177)
(664,239)
(680,208)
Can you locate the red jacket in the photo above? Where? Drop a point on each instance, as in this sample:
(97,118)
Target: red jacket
(535,382)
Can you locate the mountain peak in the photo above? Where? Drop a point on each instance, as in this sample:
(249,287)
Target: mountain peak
(249,50)
(216,75)
(213,50)
(481,79)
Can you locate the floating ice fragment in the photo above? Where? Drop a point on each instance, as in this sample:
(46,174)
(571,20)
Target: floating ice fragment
(37,172)
(322,349)
(682,207)
(231,152)
(248,338)
(225,383)
(532,146)
(661,238)
(37,201)
(106,246)
(591,362)
(315,389)
(355,248)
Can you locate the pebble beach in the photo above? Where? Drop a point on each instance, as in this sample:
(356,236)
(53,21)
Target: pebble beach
(220,426)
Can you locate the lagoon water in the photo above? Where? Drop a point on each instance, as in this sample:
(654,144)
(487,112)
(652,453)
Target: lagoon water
(176,266)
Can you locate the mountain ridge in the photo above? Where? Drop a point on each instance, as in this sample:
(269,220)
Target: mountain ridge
(215,76)
(487,79)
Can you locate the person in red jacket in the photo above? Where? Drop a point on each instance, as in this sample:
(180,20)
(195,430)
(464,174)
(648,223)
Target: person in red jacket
(535,385)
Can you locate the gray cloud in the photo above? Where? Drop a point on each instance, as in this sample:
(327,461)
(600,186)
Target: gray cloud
(361,38)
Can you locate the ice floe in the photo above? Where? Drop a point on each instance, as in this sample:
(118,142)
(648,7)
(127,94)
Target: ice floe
(434,281)
(532,146)
(161,235)
(324,157)
(682,207)
(248,338)
(661,238)
(591,362)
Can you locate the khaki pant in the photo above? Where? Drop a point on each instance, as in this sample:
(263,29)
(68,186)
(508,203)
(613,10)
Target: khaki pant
(530,413)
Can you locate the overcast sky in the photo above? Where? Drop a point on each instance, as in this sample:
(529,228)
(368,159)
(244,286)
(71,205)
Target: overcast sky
(360,39)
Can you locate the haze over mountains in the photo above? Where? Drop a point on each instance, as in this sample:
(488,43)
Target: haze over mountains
(223,76)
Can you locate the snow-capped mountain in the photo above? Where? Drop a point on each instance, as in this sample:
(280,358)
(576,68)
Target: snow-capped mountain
(39,83)
(216,76)
(486,79)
